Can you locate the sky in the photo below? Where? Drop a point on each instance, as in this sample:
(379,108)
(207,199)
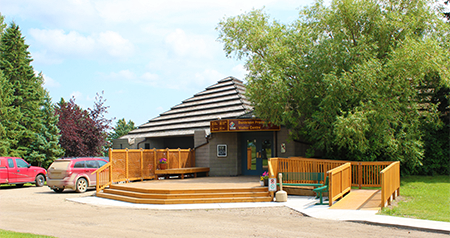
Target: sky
(145,56)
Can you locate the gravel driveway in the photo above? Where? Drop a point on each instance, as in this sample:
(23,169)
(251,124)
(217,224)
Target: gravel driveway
(42,211)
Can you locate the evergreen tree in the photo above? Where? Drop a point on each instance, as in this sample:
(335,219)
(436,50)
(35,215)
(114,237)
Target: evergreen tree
(24,104)
(122,128)
(45,148)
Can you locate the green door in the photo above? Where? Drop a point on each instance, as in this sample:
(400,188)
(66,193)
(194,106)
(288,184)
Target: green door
(257,149)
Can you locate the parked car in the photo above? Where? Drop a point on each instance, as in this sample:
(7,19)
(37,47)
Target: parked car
(73,173)
(17,171)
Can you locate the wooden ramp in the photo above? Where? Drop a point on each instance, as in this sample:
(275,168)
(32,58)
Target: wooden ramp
(360,199)
(188,191)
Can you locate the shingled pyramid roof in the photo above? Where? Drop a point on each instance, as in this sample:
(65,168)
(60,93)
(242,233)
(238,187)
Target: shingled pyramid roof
(223,100)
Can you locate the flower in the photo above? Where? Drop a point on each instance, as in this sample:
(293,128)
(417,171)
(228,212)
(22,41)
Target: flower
(163,161)
(265,175)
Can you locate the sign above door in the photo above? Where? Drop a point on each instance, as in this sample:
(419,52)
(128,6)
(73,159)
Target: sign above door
(241,125)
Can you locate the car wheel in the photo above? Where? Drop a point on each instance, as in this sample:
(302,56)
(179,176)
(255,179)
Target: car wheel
(40,180)
(58,190)
(81,185)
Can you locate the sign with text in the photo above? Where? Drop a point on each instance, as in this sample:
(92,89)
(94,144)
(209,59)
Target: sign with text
(240,125)
(272,184)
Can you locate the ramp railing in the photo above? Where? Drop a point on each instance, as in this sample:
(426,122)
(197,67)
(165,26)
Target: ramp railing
(390,183)
(339,182)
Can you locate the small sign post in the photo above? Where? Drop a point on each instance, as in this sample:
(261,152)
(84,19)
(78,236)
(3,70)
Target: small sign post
(272,184)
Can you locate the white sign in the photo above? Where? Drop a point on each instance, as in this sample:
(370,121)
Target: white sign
(283,148)
(272,184)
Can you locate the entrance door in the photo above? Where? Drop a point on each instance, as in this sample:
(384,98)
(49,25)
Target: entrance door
(257,148)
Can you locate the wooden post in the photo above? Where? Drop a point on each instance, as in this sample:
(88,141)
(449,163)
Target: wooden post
(168,162)
(142,164)
(154,158)
(360,175)
(330,189)
(110,167)
(126,164)
(179,158)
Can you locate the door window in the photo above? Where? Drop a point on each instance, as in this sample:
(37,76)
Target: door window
(21,163)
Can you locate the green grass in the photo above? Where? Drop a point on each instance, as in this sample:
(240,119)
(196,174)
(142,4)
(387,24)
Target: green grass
(423,197)
(12,234)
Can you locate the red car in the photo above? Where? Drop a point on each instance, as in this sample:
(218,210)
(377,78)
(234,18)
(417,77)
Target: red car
(73,173)
(17,171)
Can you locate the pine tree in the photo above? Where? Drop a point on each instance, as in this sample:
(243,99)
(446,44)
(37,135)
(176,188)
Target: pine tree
(25,107)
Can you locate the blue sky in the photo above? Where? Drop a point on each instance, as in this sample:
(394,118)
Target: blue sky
(146,56)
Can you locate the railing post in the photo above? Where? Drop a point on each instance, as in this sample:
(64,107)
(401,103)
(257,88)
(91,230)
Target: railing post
(142,164)
(126,165)
(168,162)
(360,175)
(110,167)
(179,158)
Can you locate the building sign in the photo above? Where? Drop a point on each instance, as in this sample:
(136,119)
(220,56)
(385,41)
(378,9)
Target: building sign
(241,125)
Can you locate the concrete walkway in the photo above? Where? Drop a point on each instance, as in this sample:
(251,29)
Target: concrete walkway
(303,204)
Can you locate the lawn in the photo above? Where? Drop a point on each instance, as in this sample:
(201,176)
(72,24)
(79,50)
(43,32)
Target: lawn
(423,197)
(12,234)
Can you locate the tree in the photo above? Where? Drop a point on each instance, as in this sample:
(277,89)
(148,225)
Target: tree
(23,101)
(122,128)
(352,78)
(83,132)
(46,147)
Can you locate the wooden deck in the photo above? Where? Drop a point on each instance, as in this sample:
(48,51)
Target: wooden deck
(360,199)
(186,191)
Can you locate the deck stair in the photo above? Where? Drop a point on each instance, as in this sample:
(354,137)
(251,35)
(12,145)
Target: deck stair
(185,195)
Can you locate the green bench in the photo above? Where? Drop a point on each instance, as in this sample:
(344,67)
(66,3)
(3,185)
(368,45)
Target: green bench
(320,191)
(309,176)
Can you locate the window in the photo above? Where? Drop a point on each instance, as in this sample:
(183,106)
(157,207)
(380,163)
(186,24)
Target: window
(21,163)
(147,146)
(79,164)
(10,163)
(101,162)
(91,164)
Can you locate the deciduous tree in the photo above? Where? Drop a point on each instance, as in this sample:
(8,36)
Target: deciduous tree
(352,77)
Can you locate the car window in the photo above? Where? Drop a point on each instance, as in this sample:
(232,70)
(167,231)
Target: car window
(60,164)
(91,164)
(21,164)
(10,163)
(101,162)
(79,164)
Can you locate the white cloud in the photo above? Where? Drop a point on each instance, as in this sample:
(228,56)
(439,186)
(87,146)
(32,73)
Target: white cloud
(50,83)
(208,76)
(239,71)
(190,45)
(123,75)
(76,95)
(57,44)
(115,44)
(150,79)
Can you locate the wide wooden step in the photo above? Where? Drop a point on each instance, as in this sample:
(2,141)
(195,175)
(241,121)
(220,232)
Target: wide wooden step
(215,194)
(184,195)
(174,200)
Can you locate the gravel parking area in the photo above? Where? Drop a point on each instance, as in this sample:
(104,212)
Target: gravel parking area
(42,211)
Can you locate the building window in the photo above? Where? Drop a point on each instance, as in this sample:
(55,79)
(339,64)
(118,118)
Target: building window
(147,146)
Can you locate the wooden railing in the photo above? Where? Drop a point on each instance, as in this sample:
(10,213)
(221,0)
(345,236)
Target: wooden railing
(298,164)
(339,182)
(367,174)
(103,176)
(139,164)
(390,183)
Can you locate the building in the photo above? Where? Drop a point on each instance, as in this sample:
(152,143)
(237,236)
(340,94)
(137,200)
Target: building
(218,123)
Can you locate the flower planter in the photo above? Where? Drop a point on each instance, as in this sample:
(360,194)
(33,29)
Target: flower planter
(162,166)
(266,182)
